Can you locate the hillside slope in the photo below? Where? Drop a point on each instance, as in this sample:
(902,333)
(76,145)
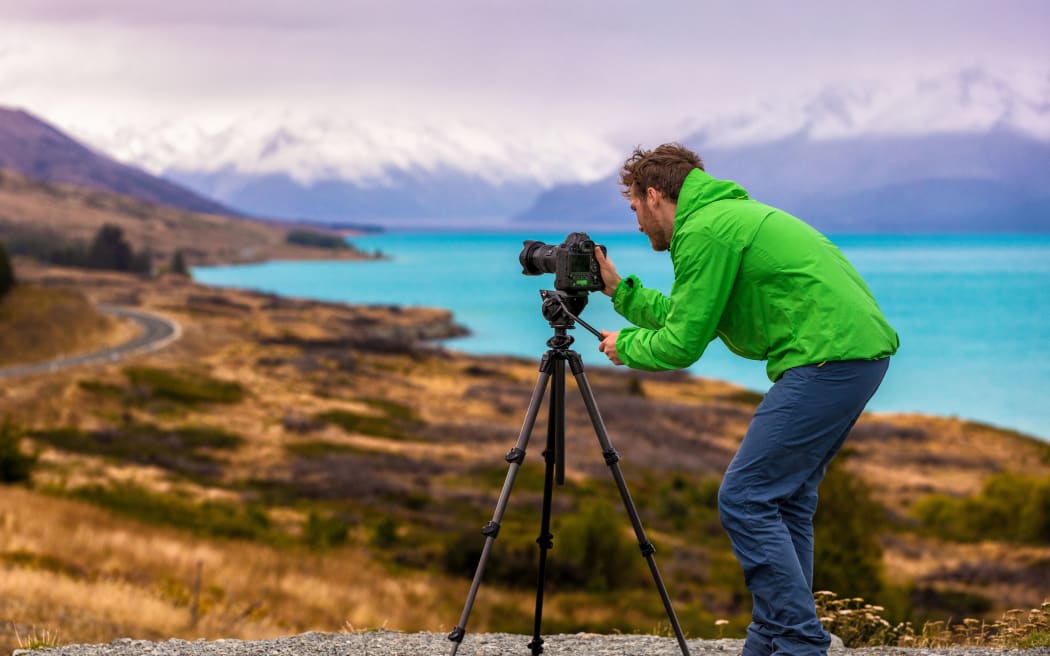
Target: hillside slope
(61,213)
(42,152)
(41,323)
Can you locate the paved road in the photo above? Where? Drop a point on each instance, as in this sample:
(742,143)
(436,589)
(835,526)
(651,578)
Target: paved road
(157,332)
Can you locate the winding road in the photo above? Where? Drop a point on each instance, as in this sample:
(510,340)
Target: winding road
(157,332)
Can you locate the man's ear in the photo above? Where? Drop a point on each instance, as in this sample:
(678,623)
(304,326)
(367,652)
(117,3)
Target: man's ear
(653,195)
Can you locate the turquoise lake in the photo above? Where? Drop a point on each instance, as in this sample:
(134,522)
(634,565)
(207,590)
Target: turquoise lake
(973,312)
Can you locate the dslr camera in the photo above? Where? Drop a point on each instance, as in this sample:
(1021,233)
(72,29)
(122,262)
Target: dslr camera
(572,262)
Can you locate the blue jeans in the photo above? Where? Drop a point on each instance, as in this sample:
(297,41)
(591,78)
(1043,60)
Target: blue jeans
(769,495)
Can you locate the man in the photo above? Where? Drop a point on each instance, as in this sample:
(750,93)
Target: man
(772,288)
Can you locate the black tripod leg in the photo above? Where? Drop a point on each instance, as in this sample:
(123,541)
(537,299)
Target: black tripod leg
(612,459)
(552,457)
(491,530)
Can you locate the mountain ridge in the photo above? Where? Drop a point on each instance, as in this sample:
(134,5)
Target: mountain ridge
(852,156)
(40,151)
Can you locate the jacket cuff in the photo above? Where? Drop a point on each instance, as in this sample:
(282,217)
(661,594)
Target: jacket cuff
(623,292)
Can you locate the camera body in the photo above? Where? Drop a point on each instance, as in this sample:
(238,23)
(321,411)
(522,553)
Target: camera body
(572,262)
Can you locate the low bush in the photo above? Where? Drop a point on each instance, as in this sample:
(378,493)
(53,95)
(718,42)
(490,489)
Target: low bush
(397,421)
(185,449)
(1010,507)
(209,518)
(182,386)
(325,530)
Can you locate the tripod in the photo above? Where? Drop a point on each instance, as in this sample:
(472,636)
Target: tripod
(561,310)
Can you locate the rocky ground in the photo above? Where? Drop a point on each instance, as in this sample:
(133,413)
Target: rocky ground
(391,643)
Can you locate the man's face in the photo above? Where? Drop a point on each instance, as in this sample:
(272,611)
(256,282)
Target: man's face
(652,219)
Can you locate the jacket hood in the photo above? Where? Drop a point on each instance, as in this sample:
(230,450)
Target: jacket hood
(700,189)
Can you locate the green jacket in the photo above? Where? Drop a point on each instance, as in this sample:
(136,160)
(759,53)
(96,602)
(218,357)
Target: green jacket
(770,286)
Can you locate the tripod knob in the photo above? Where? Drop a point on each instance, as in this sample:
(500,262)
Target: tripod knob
(560,341)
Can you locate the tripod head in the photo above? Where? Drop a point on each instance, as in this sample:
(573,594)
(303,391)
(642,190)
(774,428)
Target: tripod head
(562,310)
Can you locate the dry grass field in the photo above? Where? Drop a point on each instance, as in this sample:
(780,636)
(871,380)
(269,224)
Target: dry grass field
(291,465)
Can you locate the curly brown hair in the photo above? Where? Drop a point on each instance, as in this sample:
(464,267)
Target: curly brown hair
(663,168)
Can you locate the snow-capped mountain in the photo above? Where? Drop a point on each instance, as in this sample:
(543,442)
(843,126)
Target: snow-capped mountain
(972,100)
(967,152)
(850,137)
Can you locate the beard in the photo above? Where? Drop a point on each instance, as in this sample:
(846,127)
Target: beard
(658,242)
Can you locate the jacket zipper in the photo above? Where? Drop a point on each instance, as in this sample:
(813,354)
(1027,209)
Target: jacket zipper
(736,349)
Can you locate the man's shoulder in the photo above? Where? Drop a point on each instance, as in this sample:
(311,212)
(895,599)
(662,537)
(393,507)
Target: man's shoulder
(732,221)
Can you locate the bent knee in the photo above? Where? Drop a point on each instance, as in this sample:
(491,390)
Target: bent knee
(732,500)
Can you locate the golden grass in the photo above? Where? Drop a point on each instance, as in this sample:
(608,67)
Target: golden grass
(37,324)
(96,577)
(861,624)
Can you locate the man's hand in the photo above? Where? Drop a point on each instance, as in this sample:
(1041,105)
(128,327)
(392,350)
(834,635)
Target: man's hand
(608,346)
(609,275)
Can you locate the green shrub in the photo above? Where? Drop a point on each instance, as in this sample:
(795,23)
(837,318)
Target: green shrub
(847,555)
(323,531)
(15,466)
(184,449)
(512,562)
(353,422)
(210,518)
(398,421)
(1034,519)
(183,386)
(593,550)
(683,501)
(1010,507)
(384,535)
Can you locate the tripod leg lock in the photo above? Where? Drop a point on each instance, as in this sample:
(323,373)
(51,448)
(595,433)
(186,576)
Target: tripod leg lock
(611,457)
(647,548)
(546,541)
(457,634)
(516,455)
(491,530)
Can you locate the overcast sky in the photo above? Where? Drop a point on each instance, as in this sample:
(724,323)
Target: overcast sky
(628,71)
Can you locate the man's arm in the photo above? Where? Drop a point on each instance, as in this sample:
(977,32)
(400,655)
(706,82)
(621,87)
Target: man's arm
(641,306)
(704,277)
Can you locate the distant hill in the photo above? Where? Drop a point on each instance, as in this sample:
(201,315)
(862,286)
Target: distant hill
(37,216)
(41,152)
(966,182)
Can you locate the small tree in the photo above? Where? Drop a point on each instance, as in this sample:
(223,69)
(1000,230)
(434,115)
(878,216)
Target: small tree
(142,262)
(110,250)
(178,264)
(7,272)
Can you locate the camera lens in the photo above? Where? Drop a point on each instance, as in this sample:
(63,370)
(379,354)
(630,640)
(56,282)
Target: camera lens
(537,257)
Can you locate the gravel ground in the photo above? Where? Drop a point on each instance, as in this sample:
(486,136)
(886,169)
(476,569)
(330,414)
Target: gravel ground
(393,643)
